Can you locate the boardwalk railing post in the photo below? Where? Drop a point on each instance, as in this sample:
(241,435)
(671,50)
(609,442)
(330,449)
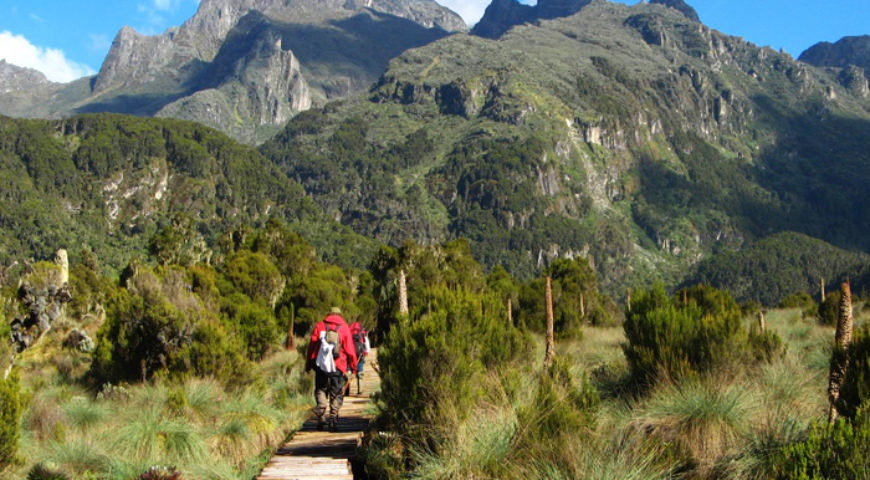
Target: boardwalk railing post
(550,354)
(842,339)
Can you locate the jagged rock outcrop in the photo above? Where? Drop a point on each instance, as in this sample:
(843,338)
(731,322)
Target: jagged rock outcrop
(135,59)
(245,66)
(274,90)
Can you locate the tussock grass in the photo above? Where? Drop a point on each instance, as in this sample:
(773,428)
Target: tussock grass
(701,421)
(200,426)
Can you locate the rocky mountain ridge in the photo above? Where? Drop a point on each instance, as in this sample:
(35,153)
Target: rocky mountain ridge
(502,15)
(247,66)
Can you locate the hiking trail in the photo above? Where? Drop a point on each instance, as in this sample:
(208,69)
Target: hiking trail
(312,454)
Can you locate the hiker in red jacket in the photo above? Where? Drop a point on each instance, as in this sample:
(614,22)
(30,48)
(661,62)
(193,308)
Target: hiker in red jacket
(332,356)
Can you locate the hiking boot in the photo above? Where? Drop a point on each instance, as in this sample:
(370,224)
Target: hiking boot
(333,424)
(320,424)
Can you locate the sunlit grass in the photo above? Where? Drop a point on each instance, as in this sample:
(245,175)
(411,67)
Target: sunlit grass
(199,426)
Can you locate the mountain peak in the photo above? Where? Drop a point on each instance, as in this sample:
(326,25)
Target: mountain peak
(501,15)
(846,51)
(680,6)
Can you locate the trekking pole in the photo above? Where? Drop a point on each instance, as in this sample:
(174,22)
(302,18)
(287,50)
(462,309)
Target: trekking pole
(358,388)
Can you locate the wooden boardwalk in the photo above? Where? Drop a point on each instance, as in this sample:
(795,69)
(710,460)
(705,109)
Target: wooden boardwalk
(313,454)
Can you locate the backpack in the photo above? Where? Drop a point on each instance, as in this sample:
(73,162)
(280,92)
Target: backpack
(333,339)
(359,341)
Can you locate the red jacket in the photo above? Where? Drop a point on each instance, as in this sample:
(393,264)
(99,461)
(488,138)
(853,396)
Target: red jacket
(348,352)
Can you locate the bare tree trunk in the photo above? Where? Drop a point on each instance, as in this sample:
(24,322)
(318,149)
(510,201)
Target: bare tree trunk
(761,323)
(842,340)
(628,300)
(510,311)
(403,294)
(582,306)
(551,345)
(822,285)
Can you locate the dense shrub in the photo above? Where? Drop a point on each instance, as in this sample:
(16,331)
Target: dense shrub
(697,333)
(10,414)
(802,301)
(435,363)
(829,309)
(829,451)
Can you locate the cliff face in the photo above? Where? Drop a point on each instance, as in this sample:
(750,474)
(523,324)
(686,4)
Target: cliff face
(246,66)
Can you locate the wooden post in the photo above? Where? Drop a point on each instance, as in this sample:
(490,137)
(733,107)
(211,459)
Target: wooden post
(628,300)
(761,322)
(291,338)
(822,285)
(510,311)
(842,339)
(403,294)
(551,345)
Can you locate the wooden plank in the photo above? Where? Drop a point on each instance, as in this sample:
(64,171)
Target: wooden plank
(313,454)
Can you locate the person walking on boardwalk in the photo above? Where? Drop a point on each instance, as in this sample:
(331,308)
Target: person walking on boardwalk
(332,356)
(362,347)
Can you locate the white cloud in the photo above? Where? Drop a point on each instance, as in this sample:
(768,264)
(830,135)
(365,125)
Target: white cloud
(53,63)
(36,18)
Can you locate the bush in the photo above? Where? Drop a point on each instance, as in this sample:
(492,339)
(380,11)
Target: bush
(699,332)
(10,414)
(829,309)
(435,363)
(802,301)
(143,335)
(829,451)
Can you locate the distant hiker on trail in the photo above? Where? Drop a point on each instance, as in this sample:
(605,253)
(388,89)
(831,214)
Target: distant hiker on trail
(332,355)
(363,347)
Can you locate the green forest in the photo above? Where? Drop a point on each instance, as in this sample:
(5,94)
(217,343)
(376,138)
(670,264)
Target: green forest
(195,367)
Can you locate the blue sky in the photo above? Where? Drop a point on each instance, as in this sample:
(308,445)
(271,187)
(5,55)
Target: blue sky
(67,39)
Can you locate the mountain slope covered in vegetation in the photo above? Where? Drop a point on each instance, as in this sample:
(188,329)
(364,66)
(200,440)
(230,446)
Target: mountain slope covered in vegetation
(634,136)
(111,183)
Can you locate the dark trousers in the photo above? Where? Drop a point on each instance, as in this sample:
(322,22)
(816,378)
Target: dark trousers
(329,392)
